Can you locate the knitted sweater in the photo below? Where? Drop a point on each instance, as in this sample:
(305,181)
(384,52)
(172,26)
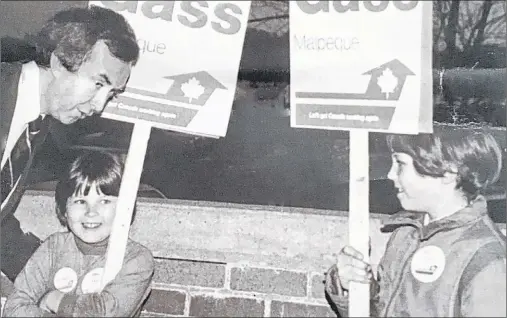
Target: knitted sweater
(66,263)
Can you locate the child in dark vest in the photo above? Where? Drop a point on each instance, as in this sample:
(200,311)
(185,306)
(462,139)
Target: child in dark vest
(445,256)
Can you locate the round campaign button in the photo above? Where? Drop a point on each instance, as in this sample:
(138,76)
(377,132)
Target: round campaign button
(91,281)
(428,263)
(65,279)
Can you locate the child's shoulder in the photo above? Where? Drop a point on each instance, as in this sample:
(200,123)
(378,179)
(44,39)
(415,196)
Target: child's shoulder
(136,250)
(58,237)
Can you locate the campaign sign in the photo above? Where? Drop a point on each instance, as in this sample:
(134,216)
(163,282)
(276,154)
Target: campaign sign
(361,65)
(186,76)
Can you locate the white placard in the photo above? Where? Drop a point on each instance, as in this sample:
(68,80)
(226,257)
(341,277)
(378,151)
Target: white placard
(185,79)
(361,65)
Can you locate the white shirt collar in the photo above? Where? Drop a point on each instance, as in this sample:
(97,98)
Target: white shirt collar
(29,86)
(27,105)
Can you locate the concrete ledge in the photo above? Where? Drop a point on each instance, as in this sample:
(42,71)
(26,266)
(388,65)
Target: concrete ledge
(279,237)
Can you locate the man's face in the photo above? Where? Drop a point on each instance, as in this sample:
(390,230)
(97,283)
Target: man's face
(72,96)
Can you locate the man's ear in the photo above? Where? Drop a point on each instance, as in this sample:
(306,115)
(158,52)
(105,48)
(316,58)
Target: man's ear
(56,65)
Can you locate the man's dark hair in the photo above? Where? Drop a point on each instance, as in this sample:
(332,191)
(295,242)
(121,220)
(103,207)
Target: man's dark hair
(71,35)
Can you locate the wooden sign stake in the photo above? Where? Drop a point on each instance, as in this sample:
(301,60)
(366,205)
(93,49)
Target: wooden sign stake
(359,219)
(126,201)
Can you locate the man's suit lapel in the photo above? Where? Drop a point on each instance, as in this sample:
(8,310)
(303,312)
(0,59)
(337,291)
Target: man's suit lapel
(11,206)
(9,92)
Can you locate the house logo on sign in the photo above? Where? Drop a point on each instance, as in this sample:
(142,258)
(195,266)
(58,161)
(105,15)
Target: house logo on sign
(192,88)
(387,81)
(189,88)
(385,85)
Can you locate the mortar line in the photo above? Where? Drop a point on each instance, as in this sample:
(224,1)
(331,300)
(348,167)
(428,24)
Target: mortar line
(186,308)
(309,284)
(267,307)
(227,277)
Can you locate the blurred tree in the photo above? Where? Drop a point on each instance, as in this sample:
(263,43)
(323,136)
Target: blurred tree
(469,33)
(270,16)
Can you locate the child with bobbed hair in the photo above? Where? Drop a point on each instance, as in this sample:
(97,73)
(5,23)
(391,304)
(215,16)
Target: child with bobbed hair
(445,256)
(63,276)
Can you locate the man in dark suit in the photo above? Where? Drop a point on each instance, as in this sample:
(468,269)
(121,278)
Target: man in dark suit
(84,57)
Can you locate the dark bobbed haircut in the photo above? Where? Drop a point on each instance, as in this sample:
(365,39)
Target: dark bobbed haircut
(473,154)
(71,35)
(103,169)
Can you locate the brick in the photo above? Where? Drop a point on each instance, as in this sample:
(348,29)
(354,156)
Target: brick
(287,309)
(166,302)
(269,281)
(209,306)
(189,273)
(317,286)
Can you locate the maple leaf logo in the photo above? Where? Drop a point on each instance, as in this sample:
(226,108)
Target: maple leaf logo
(192,89)
(387,82)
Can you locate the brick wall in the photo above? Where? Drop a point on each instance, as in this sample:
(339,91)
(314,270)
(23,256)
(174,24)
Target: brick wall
(184,288)
(212,289)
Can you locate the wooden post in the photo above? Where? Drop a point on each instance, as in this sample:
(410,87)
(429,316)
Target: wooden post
(126,201)
(359,219)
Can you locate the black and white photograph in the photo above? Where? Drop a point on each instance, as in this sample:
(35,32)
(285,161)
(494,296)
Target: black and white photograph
(253,158)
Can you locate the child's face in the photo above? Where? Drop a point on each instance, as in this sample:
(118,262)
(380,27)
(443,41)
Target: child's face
(416,192)
(90,217)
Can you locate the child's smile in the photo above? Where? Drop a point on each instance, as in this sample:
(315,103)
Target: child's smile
(91,226)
